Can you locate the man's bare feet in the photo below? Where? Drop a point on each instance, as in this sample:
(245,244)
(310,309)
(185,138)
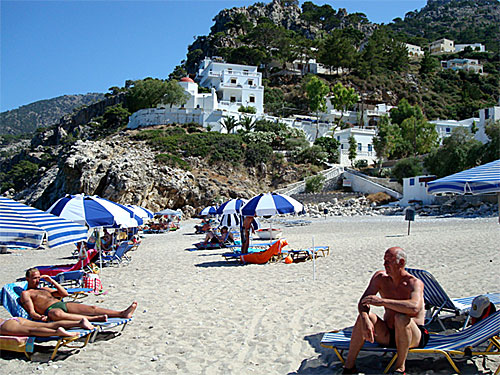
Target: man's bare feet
(85,324)
(63,333)
(127,314)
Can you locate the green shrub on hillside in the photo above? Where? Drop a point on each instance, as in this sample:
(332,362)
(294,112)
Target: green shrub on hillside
(409,167)
(172,161)
(315,184)
(257,153)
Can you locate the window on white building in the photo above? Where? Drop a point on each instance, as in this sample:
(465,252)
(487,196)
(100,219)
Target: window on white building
(448,130)
(360,147)
(338,138)
(233,81)
(232,99)
(250,82)
(251,99)
(370,148)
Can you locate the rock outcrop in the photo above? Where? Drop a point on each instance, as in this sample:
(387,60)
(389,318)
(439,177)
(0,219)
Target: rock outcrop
(125,171)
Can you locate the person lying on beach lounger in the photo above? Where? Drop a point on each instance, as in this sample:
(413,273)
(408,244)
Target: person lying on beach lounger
(225,237)
(402,296)
(24,327)
(44,304)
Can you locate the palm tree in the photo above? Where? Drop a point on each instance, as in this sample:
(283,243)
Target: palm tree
(247,123)
(229,123)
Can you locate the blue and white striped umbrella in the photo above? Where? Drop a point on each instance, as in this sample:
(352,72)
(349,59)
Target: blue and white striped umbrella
(478,180)
(25,226)
(95,212)
(230,221)
(210,210)
(270,204)
(142,212)
(232,206)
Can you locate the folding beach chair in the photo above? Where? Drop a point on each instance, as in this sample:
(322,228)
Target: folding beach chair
(464,343)
(437,301)
(26,345)
(118,256)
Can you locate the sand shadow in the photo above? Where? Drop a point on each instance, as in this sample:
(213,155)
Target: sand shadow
(219,263)
(397,235)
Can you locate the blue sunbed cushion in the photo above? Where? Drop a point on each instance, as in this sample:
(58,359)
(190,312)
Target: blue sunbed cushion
(11,298)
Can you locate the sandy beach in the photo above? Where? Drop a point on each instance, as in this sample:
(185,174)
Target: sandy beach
(199,314)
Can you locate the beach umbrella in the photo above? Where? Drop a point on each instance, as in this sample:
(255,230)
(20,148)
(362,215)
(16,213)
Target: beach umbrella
(270,204)
(479,180)
(95,212)
(169,212)
(25,226)
(230,220)
(210,210)
(142,212)
(232,206)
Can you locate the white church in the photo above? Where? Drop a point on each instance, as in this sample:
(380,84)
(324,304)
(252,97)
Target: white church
(232,87)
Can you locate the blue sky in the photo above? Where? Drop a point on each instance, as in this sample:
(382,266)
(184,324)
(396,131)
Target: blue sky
(53,48)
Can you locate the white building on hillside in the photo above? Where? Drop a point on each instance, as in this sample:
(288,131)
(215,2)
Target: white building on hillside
(477,47)
(414,51)
(442,46)
(415,191)
(486,116)
(364,144)
(469,65)
(444,128)
(236,85)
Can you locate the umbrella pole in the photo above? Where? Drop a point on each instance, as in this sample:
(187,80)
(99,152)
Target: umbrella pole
(98,241)
(314,260)
(498,195)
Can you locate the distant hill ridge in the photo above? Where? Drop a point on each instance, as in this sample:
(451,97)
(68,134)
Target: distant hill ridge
(27,118)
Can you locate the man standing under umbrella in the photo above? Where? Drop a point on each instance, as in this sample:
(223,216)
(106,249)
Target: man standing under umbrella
(245,233)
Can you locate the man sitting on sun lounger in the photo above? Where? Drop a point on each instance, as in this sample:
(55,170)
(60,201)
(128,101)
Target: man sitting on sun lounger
(44,304)
(402,296)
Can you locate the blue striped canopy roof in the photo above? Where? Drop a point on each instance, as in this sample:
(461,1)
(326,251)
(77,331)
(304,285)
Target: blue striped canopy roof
(25,226)
(479,180)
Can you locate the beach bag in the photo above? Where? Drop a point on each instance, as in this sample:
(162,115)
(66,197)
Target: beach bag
(92,281)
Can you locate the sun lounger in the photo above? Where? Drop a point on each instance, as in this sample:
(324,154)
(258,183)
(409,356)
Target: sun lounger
(258,257)
(437,301)
(306,254)
(72,281)
(464,343)
(10,299)
(54,270)
(26,345)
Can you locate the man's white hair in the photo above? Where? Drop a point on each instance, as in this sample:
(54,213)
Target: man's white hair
(400,254)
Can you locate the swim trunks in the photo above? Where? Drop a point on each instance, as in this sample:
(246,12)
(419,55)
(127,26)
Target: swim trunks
(424,337)
(58,305)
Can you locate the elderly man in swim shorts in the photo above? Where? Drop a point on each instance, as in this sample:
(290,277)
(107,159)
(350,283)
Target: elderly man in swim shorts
(44,303)
(402,296)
